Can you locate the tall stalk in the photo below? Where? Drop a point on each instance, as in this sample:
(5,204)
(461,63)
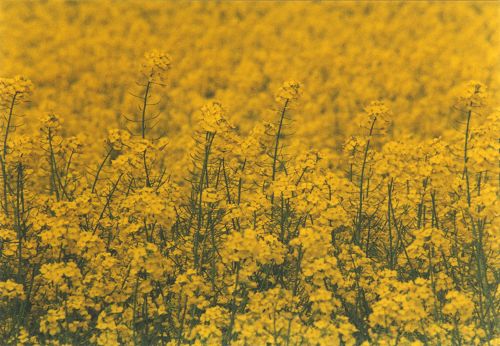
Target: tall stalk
(4,154)
(359,219)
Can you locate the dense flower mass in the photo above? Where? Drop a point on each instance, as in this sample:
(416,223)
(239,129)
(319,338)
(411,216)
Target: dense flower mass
(270,173)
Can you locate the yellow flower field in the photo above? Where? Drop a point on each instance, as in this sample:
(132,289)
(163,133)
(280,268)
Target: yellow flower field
(249,173)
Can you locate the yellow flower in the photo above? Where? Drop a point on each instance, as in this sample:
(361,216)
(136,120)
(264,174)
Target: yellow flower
(289,91)
(156,66)
(18,87)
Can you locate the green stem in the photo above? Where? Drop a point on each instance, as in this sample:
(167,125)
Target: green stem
(359,221)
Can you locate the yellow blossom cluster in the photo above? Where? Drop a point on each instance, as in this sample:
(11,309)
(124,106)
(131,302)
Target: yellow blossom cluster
(265,173)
